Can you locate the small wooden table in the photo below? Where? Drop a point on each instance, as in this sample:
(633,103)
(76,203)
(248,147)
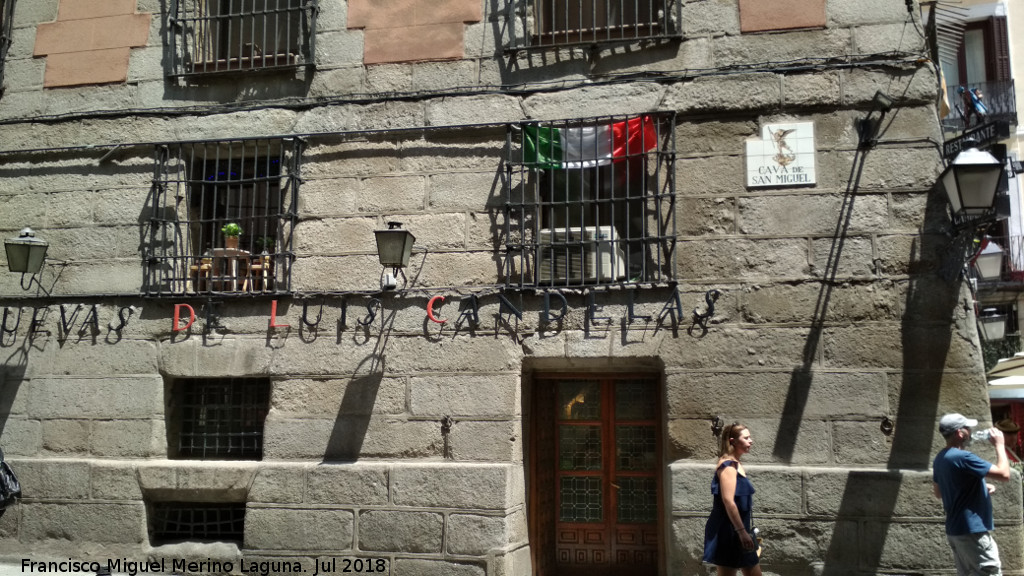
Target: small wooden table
(230,268)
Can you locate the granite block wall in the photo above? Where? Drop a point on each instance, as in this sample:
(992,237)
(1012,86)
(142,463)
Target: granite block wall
(833,318)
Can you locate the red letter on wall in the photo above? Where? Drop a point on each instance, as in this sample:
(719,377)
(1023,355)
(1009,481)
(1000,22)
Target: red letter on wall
(177,317)
(273,316)
(430,309)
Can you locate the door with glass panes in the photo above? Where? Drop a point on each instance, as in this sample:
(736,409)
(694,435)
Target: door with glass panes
(596,485)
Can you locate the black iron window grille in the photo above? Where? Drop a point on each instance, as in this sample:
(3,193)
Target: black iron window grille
(545,23)
(6,25)
(217,36)
(217,418)
(220,218)
(173,522)
(591,202)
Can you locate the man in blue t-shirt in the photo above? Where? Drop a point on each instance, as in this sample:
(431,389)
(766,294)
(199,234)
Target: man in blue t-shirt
(959,479)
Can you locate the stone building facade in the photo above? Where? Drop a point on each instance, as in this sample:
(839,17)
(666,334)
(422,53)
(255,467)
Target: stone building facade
(538,392)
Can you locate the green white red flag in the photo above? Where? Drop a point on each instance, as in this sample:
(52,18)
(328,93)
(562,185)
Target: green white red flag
(588,146)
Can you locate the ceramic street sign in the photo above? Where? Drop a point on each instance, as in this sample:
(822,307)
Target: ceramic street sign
(783,156)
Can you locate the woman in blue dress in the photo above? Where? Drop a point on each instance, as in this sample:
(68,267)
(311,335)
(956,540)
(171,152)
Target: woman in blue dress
(728,543)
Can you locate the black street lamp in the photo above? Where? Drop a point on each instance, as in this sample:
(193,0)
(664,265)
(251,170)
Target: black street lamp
(394,248)
(992,325)
(988,261)
(25,253)
(971,181)
(394,245)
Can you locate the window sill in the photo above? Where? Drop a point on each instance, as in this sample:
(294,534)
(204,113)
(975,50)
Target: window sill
(546,42)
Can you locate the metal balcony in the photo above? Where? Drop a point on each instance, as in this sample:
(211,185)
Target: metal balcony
(998,97)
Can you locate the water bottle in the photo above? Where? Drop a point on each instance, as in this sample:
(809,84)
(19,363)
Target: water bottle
(755,534)
(981,435)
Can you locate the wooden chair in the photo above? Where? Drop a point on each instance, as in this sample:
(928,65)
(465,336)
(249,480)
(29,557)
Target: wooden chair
(261,273)
(199,275)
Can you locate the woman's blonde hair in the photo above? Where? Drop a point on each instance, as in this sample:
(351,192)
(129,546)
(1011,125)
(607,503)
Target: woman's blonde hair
(729,433)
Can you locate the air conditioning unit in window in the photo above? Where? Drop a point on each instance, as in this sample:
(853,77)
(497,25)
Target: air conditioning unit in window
(587,254)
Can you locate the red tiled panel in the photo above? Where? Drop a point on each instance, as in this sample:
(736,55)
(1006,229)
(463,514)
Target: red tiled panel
(79,9)
(94,34)
(380,14)
(764,15)
(59,37)
(89,43)
(94,67)
(435,42)
(412,30)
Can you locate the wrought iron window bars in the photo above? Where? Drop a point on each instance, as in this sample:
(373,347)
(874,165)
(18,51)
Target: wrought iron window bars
(219,36)
(218,418)
(198,189)
(553,23)
(590,202)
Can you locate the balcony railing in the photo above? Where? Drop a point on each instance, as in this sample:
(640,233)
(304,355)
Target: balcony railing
(559,23)
(999,102)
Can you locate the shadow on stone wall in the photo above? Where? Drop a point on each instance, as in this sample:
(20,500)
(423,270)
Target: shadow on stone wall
(353,420)
(12,375)
(802,376)
(852,545)
(348,435)
(926,344)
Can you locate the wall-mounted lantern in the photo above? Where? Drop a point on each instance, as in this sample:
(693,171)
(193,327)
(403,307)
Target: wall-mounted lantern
(988,261)
(394,245)
(971,181)
(26,253)
(394,248)
(992,325)
(975,185)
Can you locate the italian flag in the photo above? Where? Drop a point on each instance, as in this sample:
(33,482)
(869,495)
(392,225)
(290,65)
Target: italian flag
(588,146)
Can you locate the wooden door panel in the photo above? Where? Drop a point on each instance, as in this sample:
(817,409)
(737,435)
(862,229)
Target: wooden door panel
(601,442)
(543,501)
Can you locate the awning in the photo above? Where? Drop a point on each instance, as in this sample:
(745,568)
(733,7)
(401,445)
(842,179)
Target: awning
(1007,382)
(1006,393)
(1006,388)
(1008,367)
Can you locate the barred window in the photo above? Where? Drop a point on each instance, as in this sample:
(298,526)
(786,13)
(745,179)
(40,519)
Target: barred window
(217,418)
(567,22)
(6,25)
(216,36)
(174,522)
(591,202)
(203,190)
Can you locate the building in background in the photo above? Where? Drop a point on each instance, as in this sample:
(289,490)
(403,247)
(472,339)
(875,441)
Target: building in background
(982,57)
(631,223)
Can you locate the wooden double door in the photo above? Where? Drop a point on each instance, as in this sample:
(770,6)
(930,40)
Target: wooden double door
(595,475)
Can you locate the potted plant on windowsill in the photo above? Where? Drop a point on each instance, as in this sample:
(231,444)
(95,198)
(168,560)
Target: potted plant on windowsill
(262,268)
(231,232)
(266,244)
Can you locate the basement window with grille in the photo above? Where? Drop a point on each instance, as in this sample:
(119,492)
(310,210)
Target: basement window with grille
(591,202)
(217,418)
(546,23)
(220,36)
(201,188)
(175,522)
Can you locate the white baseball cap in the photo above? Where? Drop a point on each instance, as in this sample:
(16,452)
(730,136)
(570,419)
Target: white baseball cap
(952,422)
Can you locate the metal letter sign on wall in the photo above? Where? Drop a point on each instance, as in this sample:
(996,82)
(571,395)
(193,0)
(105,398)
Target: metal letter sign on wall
(783,156)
